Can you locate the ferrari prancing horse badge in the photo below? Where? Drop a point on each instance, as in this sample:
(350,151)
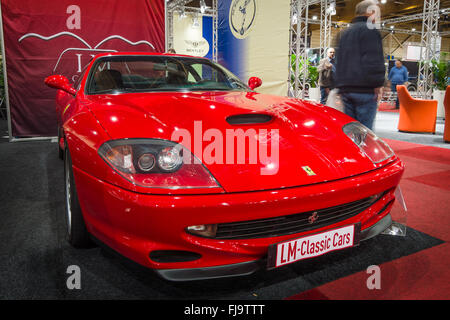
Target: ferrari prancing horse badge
(308,171)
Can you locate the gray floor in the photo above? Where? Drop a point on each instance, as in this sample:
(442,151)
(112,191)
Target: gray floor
(386,127)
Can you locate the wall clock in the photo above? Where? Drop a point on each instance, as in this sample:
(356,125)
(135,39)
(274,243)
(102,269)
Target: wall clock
(242,17)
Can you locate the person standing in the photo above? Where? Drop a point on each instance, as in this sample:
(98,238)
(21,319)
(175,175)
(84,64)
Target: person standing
(398,76)
(326,70)
(360,69)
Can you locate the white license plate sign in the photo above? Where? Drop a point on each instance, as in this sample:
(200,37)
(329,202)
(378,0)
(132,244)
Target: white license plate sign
(315,245)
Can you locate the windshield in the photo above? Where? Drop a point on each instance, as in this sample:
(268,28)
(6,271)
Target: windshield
(118,74)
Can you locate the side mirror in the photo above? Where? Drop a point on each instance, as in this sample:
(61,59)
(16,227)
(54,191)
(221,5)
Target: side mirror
(254,82)
(61,83)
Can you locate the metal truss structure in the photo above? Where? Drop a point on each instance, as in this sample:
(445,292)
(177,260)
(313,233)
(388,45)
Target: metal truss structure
(298,71)
(215,16)
(298,43)
(325,26)
(429,40)
(181,6)
(413,17)
(400,31)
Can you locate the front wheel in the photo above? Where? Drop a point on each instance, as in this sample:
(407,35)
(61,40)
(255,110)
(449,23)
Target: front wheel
(60,150)
(77,233)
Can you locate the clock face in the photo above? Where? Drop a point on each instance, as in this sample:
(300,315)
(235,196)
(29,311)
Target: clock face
(242,17)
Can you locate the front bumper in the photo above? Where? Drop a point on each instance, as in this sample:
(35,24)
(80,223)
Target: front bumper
(247,268)
(135,225)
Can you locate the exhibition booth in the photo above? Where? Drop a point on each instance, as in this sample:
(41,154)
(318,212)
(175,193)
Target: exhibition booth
(151,96)
(279,42)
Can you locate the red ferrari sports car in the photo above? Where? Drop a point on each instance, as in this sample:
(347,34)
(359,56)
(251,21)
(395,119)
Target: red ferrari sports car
(177,164)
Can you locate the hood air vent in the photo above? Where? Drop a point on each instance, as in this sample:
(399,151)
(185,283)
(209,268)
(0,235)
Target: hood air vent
(251,118)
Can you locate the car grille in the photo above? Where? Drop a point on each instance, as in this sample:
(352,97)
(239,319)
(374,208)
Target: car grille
(295,223)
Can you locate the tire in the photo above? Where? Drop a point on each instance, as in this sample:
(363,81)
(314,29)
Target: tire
(60,151)
(77,234)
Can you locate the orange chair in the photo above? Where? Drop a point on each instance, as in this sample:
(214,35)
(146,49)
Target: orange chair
(416,115)
(447,115)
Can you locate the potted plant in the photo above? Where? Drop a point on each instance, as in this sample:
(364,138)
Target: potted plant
(440,71)
(312,77)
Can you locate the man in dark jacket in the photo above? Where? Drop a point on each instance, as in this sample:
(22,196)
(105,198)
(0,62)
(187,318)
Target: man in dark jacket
(326,71)
(360,68)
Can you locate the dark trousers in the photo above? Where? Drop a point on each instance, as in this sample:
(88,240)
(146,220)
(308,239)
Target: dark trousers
(394,89)
(361,106)
(324,92)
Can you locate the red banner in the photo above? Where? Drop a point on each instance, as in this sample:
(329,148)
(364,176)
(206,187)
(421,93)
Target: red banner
(60,37)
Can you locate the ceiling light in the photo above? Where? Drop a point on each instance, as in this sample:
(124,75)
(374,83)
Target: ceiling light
(332,8)
(182,13)
(195,22)
(203,6)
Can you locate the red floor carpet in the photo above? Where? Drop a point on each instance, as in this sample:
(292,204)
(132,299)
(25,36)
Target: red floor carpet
(423,275)
(387,107)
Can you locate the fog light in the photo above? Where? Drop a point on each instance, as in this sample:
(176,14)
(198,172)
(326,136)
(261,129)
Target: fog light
(203,230)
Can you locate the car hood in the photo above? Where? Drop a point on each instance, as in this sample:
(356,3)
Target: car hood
(309,144)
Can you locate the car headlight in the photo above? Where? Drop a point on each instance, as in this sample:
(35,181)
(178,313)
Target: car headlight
(154,163)
(375,148)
